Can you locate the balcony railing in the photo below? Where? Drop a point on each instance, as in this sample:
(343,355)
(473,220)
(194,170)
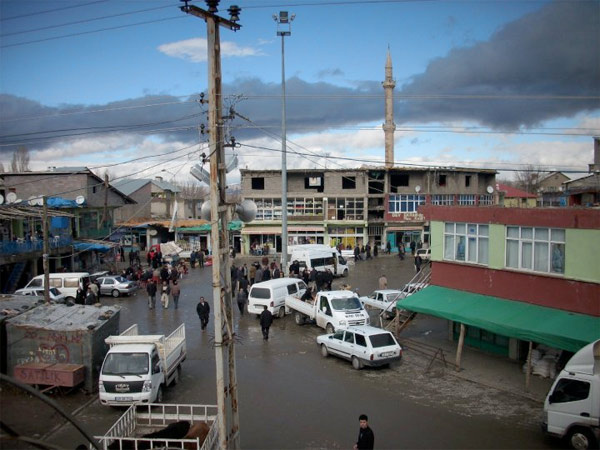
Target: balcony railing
(36,245)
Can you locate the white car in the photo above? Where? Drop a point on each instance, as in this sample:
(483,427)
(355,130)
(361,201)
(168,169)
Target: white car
(424,253)
(55,295)
(384,299)
(363,345)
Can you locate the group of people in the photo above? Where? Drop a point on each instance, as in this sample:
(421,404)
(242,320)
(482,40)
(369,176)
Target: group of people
(364,252)
(88,295)
(163,282)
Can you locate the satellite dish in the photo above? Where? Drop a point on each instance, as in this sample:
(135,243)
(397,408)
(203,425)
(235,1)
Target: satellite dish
(80,200)
(31,200)
(152,232)
(1,199)
(200,174)
(39,200)
(490,189)
(11,197)
(232,164)
(246,210)
(205,211)
(418,188)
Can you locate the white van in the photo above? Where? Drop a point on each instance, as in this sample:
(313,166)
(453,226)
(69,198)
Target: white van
(319,256)
(272,293)
(572,407)
(67,283)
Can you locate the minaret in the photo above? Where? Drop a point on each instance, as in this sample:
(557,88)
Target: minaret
(389,126)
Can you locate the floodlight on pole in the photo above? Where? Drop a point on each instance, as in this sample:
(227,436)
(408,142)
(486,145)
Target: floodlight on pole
(284,28)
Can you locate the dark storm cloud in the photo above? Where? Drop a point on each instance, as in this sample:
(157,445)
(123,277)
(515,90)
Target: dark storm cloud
(545,65)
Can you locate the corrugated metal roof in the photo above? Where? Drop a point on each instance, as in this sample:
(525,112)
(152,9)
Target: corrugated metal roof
(129,185)
(65,318)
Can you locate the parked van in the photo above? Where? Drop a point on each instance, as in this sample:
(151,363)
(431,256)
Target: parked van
(67,283)
(272,294)
(572,407)
(319,256)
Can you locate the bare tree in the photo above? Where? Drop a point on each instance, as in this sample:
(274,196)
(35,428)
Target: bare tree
(528,178)
(192,190)
(20,160)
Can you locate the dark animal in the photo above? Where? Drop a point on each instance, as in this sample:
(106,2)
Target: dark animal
(198,430)
(175,430)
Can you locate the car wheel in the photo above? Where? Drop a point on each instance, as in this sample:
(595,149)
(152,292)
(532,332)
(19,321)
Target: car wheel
(345,274)
(324,352)
(282,312)
(581,439)
(356,363)
(329,328)
(299,318)
(70,299)
(115,293)
(159,395)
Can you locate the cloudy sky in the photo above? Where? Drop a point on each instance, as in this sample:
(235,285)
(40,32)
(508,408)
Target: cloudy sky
(115,85)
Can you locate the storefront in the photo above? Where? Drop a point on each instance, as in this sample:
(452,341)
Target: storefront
(348,237)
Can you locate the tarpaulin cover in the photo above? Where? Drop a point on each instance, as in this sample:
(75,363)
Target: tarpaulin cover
(553,327)
(82,246)
(59,222)
(59,202)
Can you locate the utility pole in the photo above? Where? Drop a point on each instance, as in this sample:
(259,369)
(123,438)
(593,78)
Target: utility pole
(46,252)
(227,399)
(284,25)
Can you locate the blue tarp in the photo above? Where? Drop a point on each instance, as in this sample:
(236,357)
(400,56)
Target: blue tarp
(59,202)
(59,222)
(82,246)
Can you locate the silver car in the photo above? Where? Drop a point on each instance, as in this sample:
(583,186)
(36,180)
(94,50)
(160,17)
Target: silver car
(116,286)
(55,294)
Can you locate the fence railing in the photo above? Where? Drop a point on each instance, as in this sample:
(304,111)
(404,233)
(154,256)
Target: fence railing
(35,245)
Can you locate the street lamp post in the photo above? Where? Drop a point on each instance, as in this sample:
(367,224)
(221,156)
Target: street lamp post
(284,28)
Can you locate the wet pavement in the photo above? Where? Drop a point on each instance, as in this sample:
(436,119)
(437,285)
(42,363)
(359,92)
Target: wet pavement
(291,397)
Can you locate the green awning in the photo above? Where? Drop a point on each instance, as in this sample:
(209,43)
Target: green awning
(553,327)
(234,225)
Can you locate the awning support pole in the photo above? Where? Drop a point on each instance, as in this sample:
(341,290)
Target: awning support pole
(528,372)
(461,341)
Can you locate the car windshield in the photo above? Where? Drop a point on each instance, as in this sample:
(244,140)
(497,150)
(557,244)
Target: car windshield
(341,304)
(126,364)
(382,340)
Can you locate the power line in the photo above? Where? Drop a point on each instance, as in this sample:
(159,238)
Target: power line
(4,19)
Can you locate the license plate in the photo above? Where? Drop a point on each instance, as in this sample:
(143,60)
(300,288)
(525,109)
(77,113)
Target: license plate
(384,354)
(124,399)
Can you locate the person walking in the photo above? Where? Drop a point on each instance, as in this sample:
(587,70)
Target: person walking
(175,292)
(366,438)
(203,310)
(258,276)
(200,256)
(165,290)
(418,262)
(252,273)
(90,298)
(388,247)
(266,319)
(151,291)
(242,299)
(383,282)
(413,246)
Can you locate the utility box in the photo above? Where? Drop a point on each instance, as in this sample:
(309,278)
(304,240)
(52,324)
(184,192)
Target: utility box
(60,334)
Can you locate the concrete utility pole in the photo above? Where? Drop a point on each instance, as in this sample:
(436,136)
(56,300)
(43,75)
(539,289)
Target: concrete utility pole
(46,252)
(283,29)
(227,400)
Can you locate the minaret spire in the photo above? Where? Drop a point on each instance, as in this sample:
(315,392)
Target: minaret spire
(389,126)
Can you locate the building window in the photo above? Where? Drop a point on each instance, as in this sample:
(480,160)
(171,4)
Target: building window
(268,208)
(348,182)
(346,208)
(466,242)
(398,180)
(314,182)
(302,206)
(405,202)
(441,180)
(258,183)
(486,199)
(467,180)
(536,249)
(442,199)
(466,199)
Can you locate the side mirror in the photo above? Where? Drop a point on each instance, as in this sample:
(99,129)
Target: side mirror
(156,369)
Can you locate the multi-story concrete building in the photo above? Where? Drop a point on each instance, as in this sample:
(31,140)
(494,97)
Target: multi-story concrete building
(356,206)
(514,275)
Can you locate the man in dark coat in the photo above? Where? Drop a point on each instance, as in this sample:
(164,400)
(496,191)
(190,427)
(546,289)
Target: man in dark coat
(366,438)
(266,319)
(151,291)
(203,310)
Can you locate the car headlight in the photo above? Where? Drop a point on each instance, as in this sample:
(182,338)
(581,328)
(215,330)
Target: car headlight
(101,386)
(147,386)
(342,323)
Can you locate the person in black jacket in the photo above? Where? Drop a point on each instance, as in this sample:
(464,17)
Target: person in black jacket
(151,290)
(266,319)
(203,310)
(366,438)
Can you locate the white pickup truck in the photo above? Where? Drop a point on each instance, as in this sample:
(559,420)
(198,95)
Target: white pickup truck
(138,367)
(164,426)
(330,310)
